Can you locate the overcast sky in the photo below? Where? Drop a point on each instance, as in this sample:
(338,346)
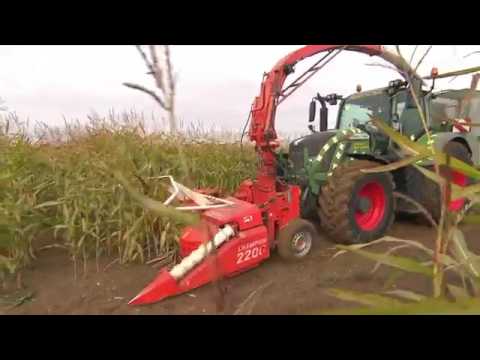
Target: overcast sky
(216,84)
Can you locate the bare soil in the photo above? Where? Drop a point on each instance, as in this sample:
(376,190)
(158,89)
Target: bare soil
(283,288)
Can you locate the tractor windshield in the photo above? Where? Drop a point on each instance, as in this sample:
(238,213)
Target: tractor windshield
(358,108)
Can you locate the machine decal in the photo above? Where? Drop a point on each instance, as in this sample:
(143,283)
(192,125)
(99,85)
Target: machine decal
(251,250)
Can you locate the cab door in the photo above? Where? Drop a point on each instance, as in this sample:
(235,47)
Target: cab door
(407,120)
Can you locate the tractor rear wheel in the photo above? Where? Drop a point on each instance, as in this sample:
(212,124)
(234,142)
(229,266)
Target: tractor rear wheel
(296,239)
(355,207)
(431,197)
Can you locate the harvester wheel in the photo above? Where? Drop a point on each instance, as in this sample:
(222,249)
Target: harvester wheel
(431,195)
(355,207)
(296,239)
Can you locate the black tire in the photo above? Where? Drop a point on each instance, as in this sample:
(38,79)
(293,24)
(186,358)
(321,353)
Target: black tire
(430,196)
(308,207)
(338,201)
(298,229)
(414,187)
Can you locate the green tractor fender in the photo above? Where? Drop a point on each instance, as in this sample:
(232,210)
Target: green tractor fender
(441,139)
(312,165)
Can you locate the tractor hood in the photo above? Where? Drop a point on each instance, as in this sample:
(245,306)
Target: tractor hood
(313,143)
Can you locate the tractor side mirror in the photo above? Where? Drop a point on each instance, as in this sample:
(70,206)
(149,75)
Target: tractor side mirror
(323,119)
(312,111)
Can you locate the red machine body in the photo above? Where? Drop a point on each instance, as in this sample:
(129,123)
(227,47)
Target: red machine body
(247,250)
(263,206)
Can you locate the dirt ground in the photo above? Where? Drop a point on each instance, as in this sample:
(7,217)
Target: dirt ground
(283,288)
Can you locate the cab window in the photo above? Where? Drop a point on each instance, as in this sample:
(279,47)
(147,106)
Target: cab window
(409,118)
(360,108)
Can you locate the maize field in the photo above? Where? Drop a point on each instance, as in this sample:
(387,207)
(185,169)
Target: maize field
(60,186)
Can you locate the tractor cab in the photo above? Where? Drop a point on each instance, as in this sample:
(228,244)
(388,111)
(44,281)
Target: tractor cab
(394,104)
(446,113)
(455,110)
(357,109)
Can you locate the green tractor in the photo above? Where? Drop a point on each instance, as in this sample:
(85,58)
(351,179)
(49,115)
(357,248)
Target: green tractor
(357,207)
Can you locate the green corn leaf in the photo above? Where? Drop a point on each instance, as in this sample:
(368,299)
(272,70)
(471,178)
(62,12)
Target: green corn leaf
(48,204)
(367,299)
(433,176)
(163,239)
(429,306)
(470,192)
(469,260)
(458,192)
(140,252)
(393,277)
(386,239)
(6,176)
(457,292)
(475,282)
(6,236)
(407,295)
(29,228)
(8,264)
(395,166)
(133,228)
(444,259)
(472,219)
(81,241)
(398,262)
(57,228)
(412,147)
(418,149)
(157,206)
(458,165)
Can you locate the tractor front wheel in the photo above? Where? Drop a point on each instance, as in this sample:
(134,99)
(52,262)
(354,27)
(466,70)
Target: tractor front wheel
(355,207)
(296,239)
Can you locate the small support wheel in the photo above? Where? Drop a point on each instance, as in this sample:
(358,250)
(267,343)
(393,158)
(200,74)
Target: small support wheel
(296,239)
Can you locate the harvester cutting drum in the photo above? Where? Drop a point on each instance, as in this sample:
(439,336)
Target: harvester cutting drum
(322,179)
(232,228)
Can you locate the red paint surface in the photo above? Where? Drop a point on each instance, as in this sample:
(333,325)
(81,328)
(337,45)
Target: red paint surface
(370,219)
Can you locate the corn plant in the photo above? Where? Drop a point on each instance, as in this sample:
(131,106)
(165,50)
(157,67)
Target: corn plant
(76,184)
(451,253)
(25,199)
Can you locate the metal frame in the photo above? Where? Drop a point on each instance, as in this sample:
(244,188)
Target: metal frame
(204,202)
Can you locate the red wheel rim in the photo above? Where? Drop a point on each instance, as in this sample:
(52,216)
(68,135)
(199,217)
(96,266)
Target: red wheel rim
(460,180)
(375,194)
